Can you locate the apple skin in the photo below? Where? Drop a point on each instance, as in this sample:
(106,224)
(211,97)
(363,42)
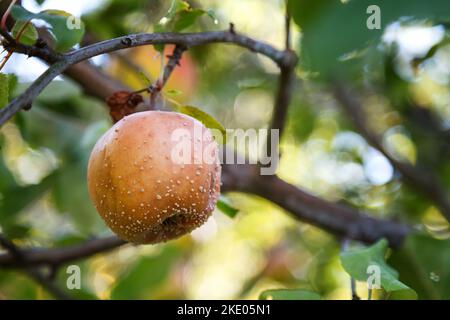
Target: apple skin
(141,193)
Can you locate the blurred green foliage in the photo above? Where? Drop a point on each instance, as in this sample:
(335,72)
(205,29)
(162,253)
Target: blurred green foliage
(335,31)
(44,153)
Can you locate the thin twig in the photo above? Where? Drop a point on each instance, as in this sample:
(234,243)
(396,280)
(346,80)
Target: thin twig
(345,247)
(281,104)
(284,91)
(174,60)
(6,14)
(16,40)
(369,294)
(287,25)
(6,35)
(5,59)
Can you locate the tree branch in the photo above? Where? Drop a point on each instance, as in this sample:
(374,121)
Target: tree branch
(18,256)
(58,256)
(340,220)
(285,86)
(422,180)
(181,39)
(174,60)
(282,100)
(99,83)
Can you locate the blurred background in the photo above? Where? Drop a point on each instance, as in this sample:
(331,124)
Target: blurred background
(404,69)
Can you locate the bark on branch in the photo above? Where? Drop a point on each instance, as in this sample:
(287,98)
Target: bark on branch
(340,220)
(62,62)
(59,256)
(16,255)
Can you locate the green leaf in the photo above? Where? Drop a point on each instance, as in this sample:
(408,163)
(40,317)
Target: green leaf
(423,261)
(144,78)
(334,29)
(251,83)
(86,292)
(357,262)
(71,196)
(69,240)
(159,28)
(289,294)
(224,206)
(12,230)
(66,29)
(146,275)
(181,16)
(8,83)
(41,127)
(91,135)
(16,286)
(186,18)
(212,14)
(4,90)
(16,198)
(25,32)
(302,120)
(205,118)
(173,92)
(58,91)
(13,82)
(6,178)
(305,12)
(176,7)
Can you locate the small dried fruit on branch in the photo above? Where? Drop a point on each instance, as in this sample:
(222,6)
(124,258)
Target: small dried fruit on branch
(155,176)
(123,103)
